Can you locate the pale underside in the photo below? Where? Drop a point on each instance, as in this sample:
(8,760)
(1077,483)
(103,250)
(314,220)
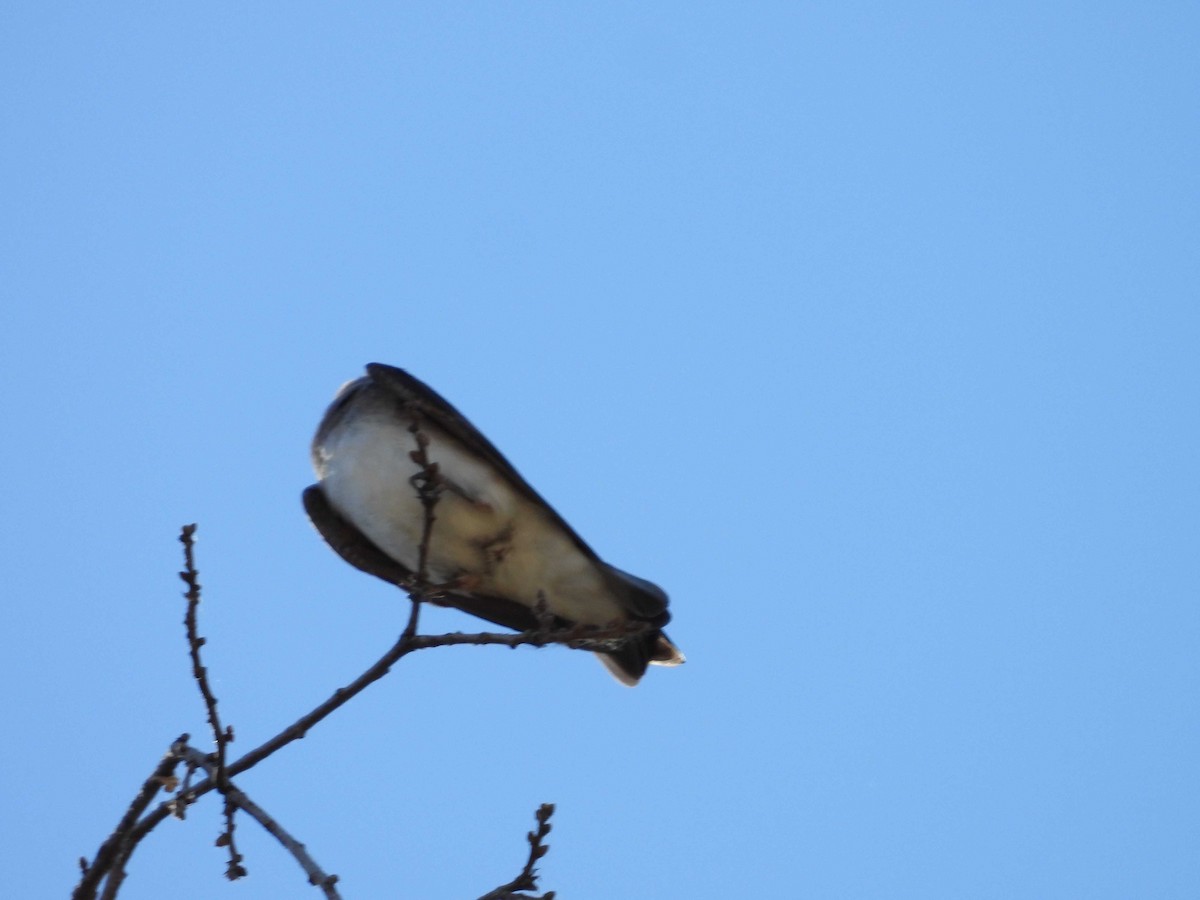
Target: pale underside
(486,538)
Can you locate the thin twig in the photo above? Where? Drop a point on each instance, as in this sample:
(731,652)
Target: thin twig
(428,484)
(179,809)
(221,736)
(128,835)
(428,487)
(527,879)
(382,666)
(116,874)
(316,875)
(574,636)
(120,843)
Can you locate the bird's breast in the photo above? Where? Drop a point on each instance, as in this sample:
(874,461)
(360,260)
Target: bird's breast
(486,535)
(367,471)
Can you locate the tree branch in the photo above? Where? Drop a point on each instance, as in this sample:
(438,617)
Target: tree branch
(118,846)
(527,879)
(221,736)
(237,797)
(112,857)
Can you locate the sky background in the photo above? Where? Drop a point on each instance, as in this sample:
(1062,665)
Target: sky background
(868,330)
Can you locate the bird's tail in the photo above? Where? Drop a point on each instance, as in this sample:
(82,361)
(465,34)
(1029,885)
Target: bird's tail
(629,662)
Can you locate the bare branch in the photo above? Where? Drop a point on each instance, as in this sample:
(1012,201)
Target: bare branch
(527,879)
(236,796)
(221,736)
(428,484)
(574,636)
(403,646)
(119,845)
(136,824)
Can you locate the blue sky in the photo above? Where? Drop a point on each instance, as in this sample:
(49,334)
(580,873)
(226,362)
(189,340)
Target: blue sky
(869,331)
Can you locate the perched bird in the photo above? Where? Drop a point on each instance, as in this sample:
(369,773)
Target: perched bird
(497,550)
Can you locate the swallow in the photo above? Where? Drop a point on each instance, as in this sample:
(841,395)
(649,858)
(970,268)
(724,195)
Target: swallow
(496,549)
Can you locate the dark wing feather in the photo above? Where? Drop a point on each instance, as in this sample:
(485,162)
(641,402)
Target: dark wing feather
(357,549)
(348,542)
(416,394)
(630,657)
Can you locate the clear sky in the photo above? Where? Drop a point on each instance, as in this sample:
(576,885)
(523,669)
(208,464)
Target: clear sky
(868,330)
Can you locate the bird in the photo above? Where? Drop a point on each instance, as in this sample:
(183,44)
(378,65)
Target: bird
(496,549)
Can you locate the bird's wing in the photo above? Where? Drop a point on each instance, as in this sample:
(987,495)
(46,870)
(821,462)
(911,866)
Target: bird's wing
(348,542)
(627,660)
(426,401)
(417,398)
(357,549)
